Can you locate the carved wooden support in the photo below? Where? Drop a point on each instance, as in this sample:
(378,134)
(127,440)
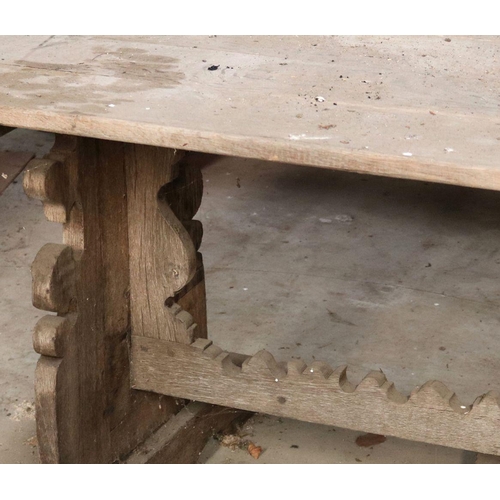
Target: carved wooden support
(315,393)
(86,411)
(166,278)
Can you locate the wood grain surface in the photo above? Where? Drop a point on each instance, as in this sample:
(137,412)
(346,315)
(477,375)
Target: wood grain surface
(414,107)
(163,256)
(315,393)
(182,439)
(86,411)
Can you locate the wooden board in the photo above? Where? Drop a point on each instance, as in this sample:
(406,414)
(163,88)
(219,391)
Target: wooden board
(355,103)
(182,439)
(11,165)
(163,197)
(315,393)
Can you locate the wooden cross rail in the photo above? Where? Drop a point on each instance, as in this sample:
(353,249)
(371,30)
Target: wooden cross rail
(315,393)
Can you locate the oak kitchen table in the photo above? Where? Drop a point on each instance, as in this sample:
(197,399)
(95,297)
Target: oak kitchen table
(125,339)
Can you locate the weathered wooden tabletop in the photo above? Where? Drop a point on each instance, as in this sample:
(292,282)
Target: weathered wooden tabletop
(422,107)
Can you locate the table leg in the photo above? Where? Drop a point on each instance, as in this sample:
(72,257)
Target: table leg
(101,288)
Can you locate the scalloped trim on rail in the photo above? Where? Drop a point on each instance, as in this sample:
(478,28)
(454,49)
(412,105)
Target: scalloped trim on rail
(315,393)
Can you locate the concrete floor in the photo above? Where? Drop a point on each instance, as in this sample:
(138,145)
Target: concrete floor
(311,263)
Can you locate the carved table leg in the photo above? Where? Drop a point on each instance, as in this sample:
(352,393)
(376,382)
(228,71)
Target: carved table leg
(114,248)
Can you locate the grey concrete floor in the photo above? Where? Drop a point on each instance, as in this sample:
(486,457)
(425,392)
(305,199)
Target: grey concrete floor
(338,267)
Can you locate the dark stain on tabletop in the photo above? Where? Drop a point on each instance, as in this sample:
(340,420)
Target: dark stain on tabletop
(83,83)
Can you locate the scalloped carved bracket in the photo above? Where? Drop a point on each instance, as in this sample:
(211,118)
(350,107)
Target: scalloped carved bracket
(54,277)
(164,193)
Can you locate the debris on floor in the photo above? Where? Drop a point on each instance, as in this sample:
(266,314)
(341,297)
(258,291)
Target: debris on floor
(231,441)
(32,441)
(239,441)
(367,440)
(346,219)
(23,411)
(255,451)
